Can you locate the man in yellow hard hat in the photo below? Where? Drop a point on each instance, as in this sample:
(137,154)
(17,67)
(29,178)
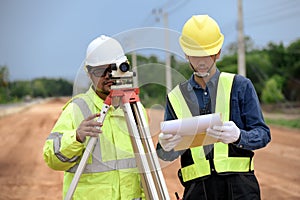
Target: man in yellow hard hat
(111,171)
(223,170)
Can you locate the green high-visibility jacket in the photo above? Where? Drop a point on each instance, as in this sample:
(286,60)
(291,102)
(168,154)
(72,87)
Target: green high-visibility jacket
(111,171)
(222,162)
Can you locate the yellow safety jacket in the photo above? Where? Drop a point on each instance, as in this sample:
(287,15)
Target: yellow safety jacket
(111,171)
(222,162)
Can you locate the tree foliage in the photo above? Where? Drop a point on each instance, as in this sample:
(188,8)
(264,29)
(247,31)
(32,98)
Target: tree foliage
(41,87)
(4,92)
(285,62)
(272,91)
(262,65)
(273,70)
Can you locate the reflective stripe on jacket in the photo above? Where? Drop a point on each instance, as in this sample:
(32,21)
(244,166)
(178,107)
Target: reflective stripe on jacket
(221,162)
(111,171)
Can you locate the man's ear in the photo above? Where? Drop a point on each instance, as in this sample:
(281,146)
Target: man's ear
(89,74)
(187,58)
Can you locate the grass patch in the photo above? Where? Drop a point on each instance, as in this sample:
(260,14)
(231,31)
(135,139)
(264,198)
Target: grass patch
(289,123)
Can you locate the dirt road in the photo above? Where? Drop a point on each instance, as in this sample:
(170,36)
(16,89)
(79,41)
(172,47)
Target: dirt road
(24,175)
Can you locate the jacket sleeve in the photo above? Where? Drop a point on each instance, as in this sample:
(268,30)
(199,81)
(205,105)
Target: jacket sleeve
(247,114)
(61,149)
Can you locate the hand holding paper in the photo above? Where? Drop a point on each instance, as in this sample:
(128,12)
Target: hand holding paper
(227,133)
(168,141)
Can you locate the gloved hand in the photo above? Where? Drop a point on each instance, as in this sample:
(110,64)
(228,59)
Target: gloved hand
(88,127)
(228,133)
(168,141)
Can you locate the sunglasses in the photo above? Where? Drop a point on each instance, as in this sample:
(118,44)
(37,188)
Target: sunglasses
(99,71)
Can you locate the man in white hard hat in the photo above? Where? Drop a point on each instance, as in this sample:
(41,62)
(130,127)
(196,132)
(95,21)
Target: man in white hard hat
(111,171)
(223,170)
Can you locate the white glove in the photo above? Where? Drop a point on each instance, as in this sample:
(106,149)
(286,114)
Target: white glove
(168,141)
(228,133)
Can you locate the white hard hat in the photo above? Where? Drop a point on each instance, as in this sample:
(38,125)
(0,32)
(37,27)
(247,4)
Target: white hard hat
(104,50)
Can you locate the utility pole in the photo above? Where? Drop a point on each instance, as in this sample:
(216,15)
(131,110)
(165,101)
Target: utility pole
(134,67)
(158,14)
(168,57)
(241,41)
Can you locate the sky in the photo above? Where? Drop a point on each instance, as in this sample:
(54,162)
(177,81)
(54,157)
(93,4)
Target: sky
(40,38)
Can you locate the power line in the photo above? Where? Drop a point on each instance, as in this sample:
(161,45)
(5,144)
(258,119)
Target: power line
(167,4)
(168,7)
(180,5)
(274,19)
(271,9)
(274,14)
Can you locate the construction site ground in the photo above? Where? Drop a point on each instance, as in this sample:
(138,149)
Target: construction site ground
(24,174)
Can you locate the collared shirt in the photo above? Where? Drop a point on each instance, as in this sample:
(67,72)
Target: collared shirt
(245,111)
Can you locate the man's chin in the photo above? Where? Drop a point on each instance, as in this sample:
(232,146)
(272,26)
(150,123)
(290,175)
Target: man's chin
(105,90)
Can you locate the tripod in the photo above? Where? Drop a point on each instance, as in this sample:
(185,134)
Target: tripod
(146,158)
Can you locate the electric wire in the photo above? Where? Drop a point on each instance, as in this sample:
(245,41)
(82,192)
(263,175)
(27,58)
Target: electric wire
(273,14)
(271,9)
(156,13)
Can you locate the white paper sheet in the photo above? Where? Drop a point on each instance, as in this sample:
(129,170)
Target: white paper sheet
(192,129)
(192,125)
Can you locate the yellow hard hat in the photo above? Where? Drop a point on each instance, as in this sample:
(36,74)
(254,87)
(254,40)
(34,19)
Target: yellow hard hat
(201,36)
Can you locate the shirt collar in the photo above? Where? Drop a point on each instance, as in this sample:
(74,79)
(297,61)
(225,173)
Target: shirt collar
(95,98)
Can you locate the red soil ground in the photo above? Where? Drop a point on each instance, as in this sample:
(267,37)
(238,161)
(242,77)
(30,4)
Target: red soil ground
(24,174)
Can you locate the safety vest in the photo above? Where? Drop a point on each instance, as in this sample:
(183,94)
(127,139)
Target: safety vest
(221,160)
(111,171)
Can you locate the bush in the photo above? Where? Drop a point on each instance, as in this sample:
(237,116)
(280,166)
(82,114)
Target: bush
(272,92)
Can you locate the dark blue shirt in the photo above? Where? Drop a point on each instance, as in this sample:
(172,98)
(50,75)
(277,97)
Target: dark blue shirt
(245,112)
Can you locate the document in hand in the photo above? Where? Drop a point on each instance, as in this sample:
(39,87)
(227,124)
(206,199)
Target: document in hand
(192,130)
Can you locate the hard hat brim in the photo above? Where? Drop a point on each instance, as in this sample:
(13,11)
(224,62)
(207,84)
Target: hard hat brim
(194,49)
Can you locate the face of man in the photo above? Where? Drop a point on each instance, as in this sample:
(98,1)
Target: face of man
(100,76)
(203,66)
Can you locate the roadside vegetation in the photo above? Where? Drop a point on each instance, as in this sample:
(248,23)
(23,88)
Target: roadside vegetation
(288,123)
(274,71)
(283,114)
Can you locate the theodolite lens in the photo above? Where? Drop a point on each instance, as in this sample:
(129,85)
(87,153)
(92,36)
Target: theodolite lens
(124,67)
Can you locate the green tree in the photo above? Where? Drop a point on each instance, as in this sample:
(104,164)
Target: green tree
(3,76)
(20,89)
(45,87)
(4,92)
(293,71)
(39,89)
(293,59)
(259,69)
(272,92)
(278,57)
(228,63)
